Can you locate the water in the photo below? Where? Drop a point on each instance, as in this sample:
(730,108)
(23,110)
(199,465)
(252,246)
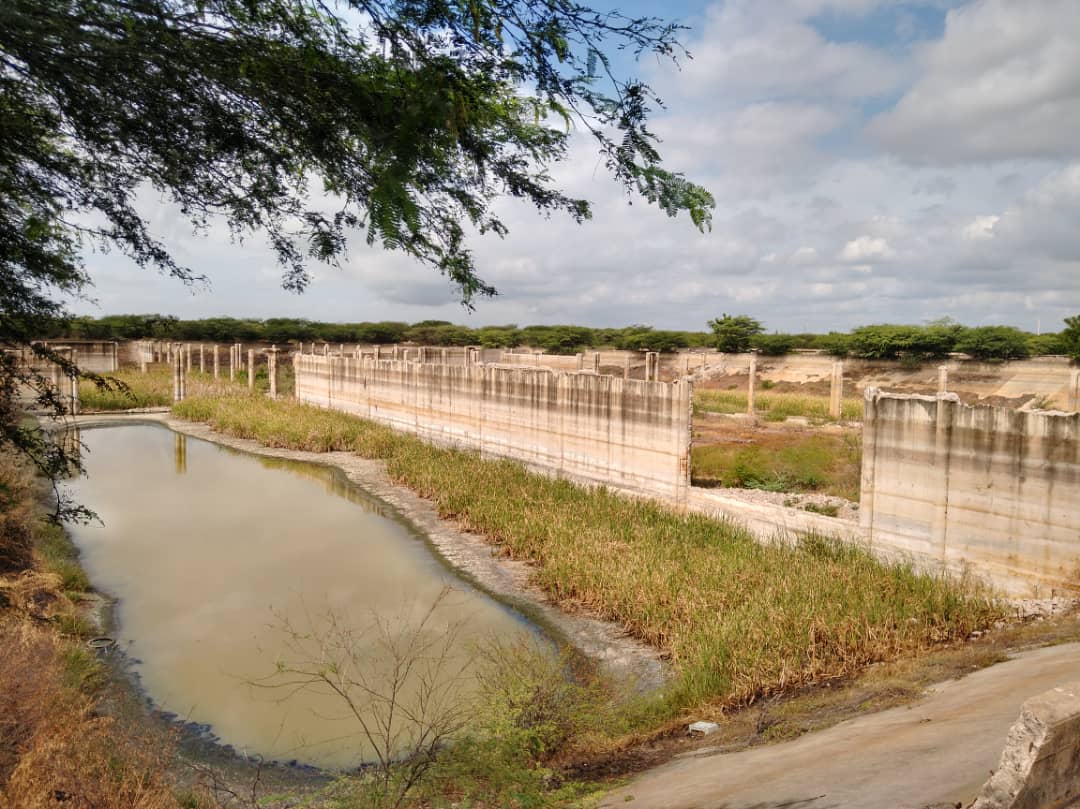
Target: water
(222,561)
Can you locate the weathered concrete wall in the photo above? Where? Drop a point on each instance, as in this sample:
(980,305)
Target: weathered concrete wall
(1040,766)
(632,435)
(990,487)
(95,356)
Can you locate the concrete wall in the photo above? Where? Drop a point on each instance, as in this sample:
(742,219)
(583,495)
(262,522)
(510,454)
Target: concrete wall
(1040,766)
(95,356)
(627,434)
(990,487)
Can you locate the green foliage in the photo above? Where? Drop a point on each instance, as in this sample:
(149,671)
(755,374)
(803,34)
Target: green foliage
(1041,344)
(892,341)
(773,345)
(993,343)
(1070,337)
(733,333)
(646,338)
(557,339)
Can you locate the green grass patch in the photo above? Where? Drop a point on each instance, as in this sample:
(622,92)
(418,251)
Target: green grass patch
(805,462)
(775,406)
(739,618)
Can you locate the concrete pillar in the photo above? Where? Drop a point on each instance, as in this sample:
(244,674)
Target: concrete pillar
(444,356)
(187,357)
(626,367)
(143,350)
(251,369)
(202,358)
(750,384)
(397,352)
(836,390)
(652,366)
(177,393)
(271,370)
(580,361)
(74,399)
(232,362)
(942,378)
(217,362)
(115,356)
(686,364)
(326,349)
(1074,390)
(596,361)
(296,376)
(704,360)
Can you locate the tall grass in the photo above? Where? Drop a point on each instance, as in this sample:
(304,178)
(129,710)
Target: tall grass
(775,406)
(740,618)
(152,389)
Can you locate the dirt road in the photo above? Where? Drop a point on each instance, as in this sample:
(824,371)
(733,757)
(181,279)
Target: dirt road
(939,750)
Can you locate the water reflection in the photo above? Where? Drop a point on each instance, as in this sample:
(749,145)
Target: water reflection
(217,558)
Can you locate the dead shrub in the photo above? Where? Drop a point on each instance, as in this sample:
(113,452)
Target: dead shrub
(17,506)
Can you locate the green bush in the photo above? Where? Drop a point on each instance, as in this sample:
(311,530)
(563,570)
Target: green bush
(993,343)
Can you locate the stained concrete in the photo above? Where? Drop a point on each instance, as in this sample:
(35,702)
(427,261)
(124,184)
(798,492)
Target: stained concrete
(937,751)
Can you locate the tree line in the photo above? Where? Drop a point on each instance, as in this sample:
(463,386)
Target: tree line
(730,333)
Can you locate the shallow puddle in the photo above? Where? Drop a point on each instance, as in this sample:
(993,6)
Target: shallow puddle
(227,565)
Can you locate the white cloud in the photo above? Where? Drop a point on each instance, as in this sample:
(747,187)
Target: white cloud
(1003,82)
(866,248)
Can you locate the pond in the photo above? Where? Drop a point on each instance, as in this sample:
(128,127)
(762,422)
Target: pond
(229,567)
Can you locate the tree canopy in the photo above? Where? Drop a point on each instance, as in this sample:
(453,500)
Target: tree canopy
(305,123)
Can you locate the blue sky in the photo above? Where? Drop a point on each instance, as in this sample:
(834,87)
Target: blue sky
(872,161)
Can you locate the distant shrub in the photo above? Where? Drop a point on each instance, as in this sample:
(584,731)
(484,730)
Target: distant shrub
(993,343)
(773,345)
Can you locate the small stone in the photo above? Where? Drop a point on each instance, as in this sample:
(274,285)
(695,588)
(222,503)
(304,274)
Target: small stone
(702,728)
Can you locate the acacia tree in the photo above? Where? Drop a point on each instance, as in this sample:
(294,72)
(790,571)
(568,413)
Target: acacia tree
(305,122)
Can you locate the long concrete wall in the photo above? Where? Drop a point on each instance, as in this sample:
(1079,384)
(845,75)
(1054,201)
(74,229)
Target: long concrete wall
(990,487)
(628,434)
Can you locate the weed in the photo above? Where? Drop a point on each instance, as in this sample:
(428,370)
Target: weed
(775,406)
(827,509)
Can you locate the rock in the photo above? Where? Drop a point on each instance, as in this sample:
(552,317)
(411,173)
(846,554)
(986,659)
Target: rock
(702,728)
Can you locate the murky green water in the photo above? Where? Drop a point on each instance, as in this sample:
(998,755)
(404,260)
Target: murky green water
(227,565)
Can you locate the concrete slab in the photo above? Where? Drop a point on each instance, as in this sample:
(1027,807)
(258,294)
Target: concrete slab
(938,751)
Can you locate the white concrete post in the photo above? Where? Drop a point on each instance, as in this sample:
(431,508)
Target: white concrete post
(251,369)
(836,390)
(176,393)
(942,378)
(626,367)
(750,386)
(580,361)
(596,361)
(296,376)
(142,357)
(202,358)
(75,383)
(444,356)
(115,356)
(187,357)
(232,362)
(326,349)
(272,370)
(942,436)
(217,362)
(1074,390)
(655,377)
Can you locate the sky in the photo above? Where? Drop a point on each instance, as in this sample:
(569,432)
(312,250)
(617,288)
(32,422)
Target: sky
(872,161)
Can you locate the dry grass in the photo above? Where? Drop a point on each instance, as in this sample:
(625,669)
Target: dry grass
(741,619)
(152,389)
(776,406)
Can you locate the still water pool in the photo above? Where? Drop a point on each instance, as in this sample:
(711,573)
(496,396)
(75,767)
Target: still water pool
(223,562)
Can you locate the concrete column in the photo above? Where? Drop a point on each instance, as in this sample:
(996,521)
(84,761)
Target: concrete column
(869,466)
(836,390)
(397,351)
(686,364)
(704,361)
(1074,390)
(187,357)
(75,383)
(652,366)
(251,369)
(217,362)
(143,350)
(326,349)
(942,378)
(580,361)
(232,362)
(115,356)
(271,370)
(750,384)
(626,367)
(596,361)
(202,358)
(296,376)
(444,356)
(177,394)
